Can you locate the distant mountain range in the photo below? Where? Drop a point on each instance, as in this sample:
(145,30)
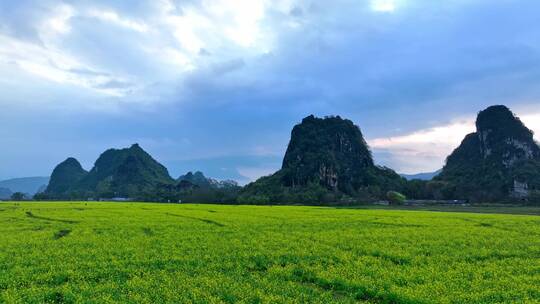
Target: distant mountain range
(5,193)
(130,173)
(327,161)
(202,181)
(422,176)
(27,185)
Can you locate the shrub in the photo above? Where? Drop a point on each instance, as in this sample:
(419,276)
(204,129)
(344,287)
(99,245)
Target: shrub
(395,198)
(18,196)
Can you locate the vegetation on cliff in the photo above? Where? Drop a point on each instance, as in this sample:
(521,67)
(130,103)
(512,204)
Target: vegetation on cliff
(327,160)
(498,162)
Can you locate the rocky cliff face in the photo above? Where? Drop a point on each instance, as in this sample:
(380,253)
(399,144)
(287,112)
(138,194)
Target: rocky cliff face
(324,154)
(330,151)
(492,161)
(503,137)
(65,176)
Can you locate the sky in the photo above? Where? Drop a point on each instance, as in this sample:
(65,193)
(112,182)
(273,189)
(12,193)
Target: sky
(217,85)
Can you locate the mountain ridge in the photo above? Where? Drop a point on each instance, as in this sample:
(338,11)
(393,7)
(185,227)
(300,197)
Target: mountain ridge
(198,178)
(28,185)
(127,172)
(501,160)
(421,176)
(5,193)
(327,159)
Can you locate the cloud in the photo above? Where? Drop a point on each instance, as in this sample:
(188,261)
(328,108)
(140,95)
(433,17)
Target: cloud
(426,150)
(444,136)
(114,18)
(383,5)
(58,23)
(254,173)
(532,121)
(233,77)
(53,65)
(423,150)
(153,42)
(229,66)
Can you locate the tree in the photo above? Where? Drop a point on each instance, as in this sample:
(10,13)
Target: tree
(17,196)
(395,198)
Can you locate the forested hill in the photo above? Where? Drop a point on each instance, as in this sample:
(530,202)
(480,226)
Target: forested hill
(116,173)
(327,159)
(500,161)
(327,162)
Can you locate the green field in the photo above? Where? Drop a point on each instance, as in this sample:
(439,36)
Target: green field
(159,253)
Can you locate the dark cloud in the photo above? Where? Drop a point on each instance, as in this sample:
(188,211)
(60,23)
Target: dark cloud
(228,66)
(114,84)
(420,66)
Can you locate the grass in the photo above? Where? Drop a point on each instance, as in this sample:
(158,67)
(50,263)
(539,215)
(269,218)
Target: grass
(159,253)
(488,208)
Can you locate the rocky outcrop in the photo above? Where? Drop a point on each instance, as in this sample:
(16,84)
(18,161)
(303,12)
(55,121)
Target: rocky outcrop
(330,151)
(324,154)
(498,161)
